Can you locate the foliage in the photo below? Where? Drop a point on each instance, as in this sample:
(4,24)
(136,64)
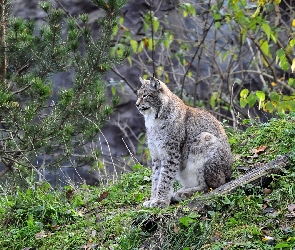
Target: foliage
(112,216)
(39,118)
(214,52)
(270,36)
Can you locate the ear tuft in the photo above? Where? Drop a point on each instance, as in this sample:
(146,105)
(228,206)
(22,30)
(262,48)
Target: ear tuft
(155,83)
(142,80)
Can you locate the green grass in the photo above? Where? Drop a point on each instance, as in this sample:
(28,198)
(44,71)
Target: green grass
(112,217)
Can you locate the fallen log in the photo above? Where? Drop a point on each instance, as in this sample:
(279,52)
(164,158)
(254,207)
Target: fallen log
(255,176)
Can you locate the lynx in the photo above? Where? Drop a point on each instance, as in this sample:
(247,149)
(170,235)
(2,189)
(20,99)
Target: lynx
(186,144)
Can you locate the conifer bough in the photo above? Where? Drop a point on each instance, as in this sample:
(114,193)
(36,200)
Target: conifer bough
(35,121)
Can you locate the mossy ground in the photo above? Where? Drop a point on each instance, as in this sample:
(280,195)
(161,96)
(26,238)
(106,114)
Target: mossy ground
(112,217)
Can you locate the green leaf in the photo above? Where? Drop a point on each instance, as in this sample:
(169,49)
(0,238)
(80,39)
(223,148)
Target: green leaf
(213,99)
(115,30)
(166,43)
(134,45)
(114,90)
(293,65)
(282,245)
(269,107)
(287,97)
(264,47)
(280,53)
(243,102)
(292,42)
(112,51)
(156,24)
(121,20)
(260,95)
(292,105)
(192,10)
(251,99)
(291,82)
(145,27)
(159,70)
(284,105)
(217,25)
(227,201)
(186,221)
(267,30)
(244,93)
(120,50)
(140,47)
(151,43)
(273,37)
(284,64)
(243,2)
(216,16)
(274,96)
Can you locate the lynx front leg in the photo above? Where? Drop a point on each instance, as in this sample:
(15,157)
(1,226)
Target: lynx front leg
(156,166)
(164,188)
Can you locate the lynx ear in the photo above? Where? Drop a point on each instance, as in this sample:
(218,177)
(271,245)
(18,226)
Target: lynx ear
(141,80)
(155,83)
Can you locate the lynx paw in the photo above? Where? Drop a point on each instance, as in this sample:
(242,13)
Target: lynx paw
(183,194)
(156,203)
(179,196)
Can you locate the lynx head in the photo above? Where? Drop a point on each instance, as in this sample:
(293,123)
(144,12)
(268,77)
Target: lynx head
(149,96)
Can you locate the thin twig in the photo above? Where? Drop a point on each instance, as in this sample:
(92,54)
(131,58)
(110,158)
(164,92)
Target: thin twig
(194,56)
(153,44)
(114,69)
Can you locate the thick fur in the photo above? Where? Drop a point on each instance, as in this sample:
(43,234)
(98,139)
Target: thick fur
(185,143)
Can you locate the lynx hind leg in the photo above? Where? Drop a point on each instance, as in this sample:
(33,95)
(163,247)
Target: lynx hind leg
(192,177)
(218,168)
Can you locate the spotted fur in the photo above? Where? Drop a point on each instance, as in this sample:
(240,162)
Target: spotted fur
(185,143)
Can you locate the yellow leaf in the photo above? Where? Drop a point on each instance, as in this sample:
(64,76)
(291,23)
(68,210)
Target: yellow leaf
(273,84)
(293,23)
(293,65)
(166,78)
(146,42)
(140,47)
(134,45)
(160,70)
(129,60)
